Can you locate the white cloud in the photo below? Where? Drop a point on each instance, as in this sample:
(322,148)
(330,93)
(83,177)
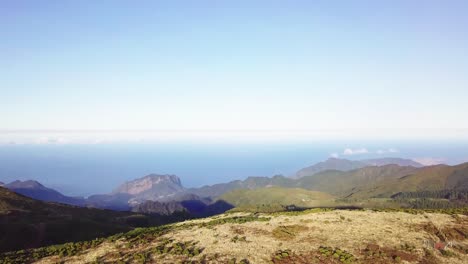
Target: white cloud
(357,151)
(51,140)
(334,155)
(384,151)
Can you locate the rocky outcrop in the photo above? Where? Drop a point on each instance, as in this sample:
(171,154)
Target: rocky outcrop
(152,187)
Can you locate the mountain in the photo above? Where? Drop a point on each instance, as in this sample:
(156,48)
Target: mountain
(35,190)
(370,181)
(28,223)
(330,164)
(160,195)
(344,183)
(1,183)
(347,165)
(216,190)
(152,187)
(431,178)
(388,180)
(361,183)
(335,182)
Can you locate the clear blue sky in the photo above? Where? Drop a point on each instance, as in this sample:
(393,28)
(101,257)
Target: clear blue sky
(243,65)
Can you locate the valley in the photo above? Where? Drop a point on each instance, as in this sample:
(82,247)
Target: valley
(385,213)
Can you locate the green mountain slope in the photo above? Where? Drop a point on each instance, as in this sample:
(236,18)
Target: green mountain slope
(274,195)
(432,178)
(249,183)
(343,184)
(367,182)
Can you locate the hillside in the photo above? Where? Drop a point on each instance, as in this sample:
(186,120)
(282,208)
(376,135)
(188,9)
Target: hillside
(432,178)
(330,164)
(217,190)
(348,165)
(274,196)
(343,184)
(394,161)
(26,223)
(363,183)
(313,236)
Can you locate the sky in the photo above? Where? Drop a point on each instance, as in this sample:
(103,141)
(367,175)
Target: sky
(364,69)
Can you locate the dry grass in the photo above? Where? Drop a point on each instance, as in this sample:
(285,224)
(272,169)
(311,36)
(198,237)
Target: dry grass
(371,237)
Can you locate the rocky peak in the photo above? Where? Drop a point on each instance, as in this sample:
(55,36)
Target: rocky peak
(154,183)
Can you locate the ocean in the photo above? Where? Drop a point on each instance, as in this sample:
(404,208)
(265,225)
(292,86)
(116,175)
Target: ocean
(85,169)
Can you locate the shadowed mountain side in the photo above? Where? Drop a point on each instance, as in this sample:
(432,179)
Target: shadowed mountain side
(35,190)
(118,201)
(189,208)
(28,223)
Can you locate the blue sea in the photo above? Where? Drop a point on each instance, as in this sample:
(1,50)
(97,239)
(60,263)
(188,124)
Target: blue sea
(85,169)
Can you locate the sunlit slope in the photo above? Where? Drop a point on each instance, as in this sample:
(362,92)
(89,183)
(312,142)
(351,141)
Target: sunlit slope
(431,178)
(385,181)
(274,195)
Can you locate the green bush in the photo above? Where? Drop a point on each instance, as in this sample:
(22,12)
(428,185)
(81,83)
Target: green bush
(341,255)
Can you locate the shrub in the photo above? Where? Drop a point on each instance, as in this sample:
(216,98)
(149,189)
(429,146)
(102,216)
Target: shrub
(282,254)
(341,255)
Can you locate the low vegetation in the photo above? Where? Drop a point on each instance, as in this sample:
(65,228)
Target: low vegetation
(310,236)
(341,234)
(336,253)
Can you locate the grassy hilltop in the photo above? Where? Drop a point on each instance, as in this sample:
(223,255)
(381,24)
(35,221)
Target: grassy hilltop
(311,236)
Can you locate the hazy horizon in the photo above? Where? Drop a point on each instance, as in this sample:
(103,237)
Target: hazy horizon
(85,169)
